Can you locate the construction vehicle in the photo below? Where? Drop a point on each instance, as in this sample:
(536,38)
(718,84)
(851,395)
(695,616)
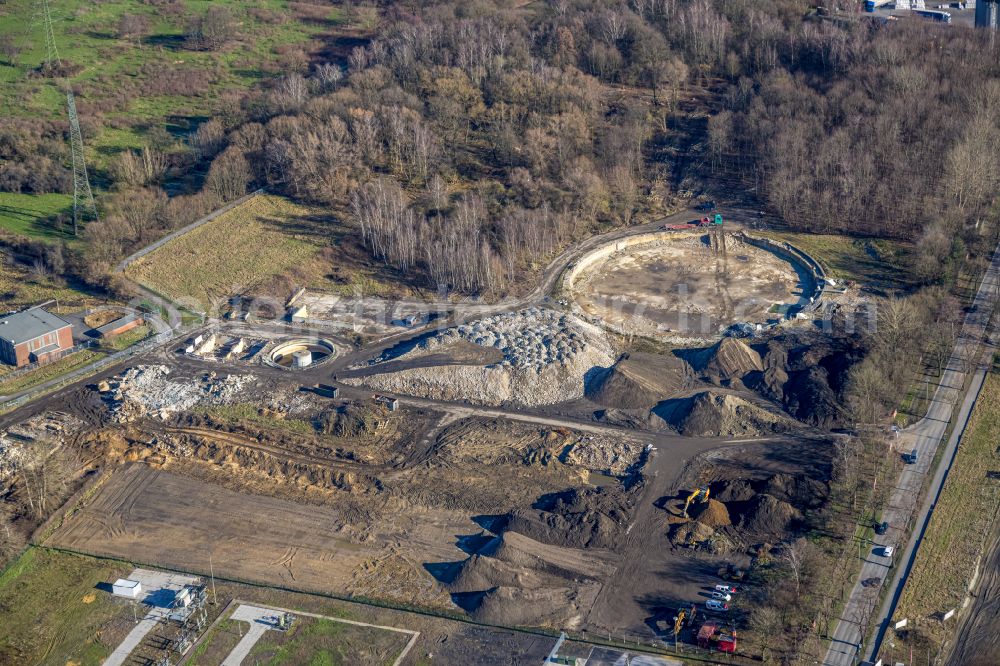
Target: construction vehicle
(700,492)
(705,634)
(679,622)
(726,641)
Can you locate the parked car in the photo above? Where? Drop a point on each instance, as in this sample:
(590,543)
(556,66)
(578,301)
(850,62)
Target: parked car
(887,551)
(871,582)
(881,528)
(911,457)
(716,605)
(729,589)
(725,596)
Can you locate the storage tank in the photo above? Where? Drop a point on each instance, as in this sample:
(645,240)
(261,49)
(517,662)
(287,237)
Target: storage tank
(302,358)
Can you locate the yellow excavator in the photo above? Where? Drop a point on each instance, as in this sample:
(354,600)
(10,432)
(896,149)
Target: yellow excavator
(702,492)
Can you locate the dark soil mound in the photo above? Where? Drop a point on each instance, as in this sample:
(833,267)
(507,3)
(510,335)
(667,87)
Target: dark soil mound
(639,381)
(727,359)
(577,518)
(809,397)
(739,490)
(765,516)
(709,414)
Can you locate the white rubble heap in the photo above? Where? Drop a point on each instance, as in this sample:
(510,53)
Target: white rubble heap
(546,355)
(46,430)
(146,389)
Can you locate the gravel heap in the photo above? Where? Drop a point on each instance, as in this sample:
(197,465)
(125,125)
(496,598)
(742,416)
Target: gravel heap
(147,389)
(546,355)
(531,338)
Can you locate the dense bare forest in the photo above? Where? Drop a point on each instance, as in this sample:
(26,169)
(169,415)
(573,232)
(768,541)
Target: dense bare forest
(468,140)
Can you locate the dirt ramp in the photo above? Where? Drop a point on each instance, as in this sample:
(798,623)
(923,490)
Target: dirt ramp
(711,414)
(639,381)
(726,360)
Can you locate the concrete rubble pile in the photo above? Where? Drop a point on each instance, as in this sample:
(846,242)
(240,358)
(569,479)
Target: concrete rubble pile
(147,389)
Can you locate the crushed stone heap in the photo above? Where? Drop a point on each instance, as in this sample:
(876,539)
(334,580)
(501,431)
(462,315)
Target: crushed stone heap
(546,356)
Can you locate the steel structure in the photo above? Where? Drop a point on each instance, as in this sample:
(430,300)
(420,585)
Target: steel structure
(83,198)
(43,15)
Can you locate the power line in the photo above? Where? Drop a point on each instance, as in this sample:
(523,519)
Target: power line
(83,198)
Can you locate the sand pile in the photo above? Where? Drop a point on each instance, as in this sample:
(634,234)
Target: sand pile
(546,356)
(516,580)
(690,534)
(578,518)
(726,360)
(710,414)
(712,513)
(639,381)
(552,607)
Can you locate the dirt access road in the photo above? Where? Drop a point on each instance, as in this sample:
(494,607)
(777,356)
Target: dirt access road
(970,355)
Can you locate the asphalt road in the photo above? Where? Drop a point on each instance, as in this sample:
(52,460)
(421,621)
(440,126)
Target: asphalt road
(969,356)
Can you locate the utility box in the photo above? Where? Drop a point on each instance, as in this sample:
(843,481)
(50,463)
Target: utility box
(126,588)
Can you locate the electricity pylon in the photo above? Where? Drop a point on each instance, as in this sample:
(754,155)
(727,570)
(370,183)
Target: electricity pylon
(43,15)
(83,198)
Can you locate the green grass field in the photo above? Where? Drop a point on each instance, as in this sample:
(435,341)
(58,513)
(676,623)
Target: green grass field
(129,338)
(239,250)
(121,105)
(320,642)
(871,262)
(54,614)
(960,525)
(30,215)
(313,641)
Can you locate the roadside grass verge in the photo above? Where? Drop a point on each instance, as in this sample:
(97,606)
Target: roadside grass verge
(962,518)
(43,374)
(55,613)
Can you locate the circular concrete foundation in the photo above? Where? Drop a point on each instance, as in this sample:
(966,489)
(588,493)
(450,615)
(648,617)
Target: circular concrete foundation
(299,353)
(690,285)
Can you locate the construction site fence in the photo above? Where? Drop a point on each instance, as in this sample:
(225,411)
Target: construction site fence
(685,651)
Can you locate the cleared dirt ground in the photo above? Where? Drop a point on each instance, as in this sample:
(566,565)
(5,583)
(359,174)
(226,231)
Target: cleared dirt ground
(689,285)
